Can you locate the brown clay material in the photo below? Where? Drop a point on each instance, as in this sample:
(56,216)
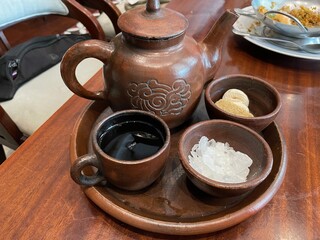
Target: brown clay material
(239,137)
(265,101)
(156,68)
(188,210)
(153,22)
(42,201)
(125,174)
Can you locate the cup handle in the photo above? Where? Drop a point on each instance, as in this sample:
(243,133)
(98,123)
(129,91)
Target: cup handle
(90,48)
(82,162)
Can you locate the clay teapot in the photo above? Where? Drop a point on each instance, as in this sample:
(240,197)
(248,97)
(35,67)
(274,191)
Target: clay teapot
(151,65)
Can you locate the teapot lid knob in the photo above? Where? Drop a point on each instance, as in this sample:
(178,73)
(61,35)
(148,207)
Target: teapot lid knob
(152,22)
(153,6)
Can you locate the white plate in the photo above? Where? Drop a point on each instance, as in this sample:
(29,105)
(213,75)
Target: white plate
(247,24)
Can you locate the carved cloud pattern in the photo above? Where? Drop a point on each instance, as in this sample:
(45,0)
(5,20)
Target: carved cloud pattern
(161,99)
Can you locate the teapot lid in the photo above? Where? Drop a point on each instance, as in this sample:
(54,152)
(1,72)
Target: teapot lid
(152,22)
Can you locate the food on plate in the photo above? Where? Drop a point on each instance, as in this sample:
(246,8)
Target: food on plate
(308,16)
(219,161)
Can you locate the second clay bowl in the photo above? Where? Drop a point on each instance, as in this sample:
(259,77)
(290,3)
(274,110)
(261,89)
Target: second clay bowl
(240,138)
(264,100)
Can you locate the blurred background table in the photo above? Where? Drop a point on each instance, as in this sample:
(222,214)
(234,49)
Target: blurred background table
(38,199)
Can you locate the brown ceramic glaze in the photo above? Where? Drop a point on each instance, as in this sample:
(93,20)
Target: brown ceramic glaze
(152,65)
(265,101)
(40,201)
(125,174)
(172,204)
(239,137)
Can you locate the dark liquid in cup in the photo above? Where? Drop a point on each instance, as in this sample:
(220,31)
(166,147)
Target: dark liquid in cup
(132,140)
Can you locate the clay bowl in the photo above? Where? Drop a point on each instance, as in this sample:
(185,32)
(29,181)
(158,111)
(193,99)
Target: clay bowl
(242,139)
(264,100)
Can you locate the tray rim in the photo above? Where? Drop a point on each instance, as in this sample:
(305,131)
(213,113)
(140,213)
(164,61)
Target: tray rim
(178,228)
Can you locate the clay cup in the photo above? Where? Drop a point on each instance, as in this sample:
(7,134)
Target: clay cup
(129,151)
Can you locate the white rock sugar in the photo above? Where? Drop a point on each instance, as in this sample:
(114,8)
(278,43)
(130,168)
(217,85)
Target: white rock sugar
(219,161)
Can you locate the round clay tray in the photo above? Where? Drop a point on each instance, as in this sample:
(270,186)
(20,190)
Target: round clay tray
(173,205)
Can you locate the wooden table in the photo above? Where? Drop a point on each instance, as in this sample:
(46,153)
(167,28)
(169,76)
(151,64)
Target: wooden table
(40,201)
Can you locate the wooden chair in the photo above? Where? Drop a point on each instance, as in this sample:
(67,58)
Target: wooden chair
(12,134)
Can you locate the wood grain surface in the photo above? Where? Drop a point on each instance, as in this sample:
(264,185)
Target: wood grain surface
(39,200)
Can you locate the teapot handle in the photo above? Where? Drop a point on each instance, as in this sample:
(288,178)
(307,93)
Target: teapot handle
(91,48)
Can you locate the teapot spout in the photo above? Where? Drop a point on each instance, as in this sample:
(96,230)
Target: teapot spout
(211,45)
